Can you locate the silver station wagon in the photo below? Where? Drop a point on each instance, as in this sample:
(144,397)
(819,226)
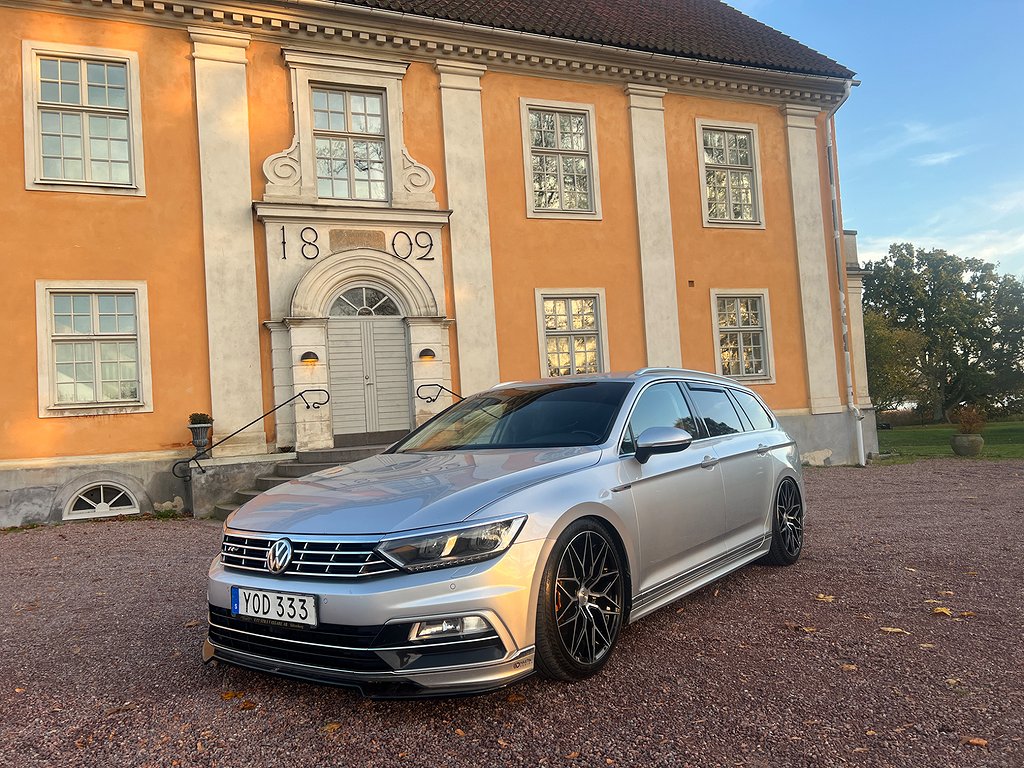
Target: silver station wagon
(517,531)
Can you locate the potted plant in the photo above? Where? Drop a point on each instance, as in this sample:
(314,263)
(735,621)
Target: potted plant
(201,427)
(968,441)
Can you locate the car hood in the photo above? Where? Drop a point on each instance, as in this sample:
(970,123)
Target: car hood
(402,491)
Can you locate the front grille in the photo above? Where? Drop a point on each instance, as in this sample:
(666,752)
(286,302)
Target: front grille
(332,559)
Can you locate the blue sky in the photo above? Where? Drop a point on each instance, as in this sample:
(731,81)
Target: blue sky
(930,144)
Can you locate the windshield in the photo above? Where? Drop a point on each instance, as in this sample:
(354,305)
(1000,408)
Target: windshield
(537,416)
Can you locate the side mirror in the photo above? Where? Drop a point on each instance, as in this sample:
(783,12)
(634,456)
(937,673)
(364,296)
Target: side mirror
(661,440)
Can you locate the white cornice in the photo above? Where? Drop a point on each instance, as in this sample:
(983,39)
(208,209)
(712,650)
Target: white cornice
(315,23)
(294,213)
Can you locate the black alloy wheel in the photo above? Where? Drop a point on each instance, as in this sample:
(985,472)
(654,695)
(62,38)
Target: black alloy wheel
(581,605)
(787,525)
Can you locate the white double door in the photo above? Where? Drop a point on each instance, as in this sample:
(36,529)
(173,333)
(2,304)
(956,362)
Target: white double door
(370,381)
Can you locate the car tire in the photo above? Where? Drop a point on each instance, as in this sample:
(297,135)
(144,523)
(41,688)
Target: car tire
(581,604)
(787,525)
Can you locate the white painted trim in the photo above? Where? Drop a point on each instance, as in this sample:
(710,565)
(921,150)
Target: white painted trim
(525,104)
(48,407)
(729,125)
(68,515)
(539,294)
(769,361)
(30,50)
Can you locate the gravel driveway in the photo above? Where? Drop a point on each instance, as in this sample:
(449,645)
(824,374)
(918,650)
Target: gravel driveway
(102,625)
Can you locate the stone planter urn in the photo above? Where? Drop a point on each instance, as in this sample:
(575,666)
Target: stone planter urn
(201,427)
(967,445)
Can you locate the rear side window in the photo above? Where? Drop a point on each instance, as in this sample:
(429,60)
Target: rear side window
(660,405)
(751,406)
(716,410)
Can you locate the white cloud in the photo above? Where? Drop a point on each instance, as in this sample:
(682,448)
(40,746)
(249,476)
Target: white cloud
(901,137)
(940,158)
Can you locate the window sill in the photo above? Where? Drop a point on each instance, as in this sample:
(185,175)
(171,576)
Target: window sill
(565,215)
(711,223)
(54,185)
(95,409)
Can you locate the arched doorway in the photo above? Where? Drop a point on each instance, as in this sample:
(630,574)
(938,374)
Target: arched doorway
(368,358)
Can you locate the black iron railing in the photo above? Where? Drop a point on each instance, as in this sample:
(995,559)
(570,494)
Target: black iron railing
(439,388)
(186,464)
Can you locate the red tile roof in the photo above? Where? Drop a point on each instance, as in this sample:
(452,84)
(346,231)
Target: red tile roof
(702,29)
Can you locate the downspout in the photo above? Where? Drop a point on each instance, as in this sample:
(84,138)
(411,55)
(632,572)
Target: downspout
(837,233)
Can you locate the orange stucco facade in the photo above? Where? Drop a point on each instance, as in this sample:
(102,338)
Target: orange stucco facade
(158,237)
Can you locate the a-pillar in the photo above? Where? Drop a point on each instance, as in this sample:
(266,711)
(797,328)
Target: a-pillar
(222,109)
(469,226)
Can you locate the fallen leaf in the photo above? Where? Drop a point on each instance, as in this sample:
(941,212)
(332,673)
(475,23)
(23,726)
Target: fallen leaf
(502,743)
(944,593)
(953,681)
(861,749)
(571,756)
(716,593)
(966,613)
(331,727)
(895,630)
(809,629)
(609,761)
(932,600)
(871,733)
(943,610)
(19,690)
(926,645)
(459,732)
(912,570)
(193,623)
(514,698)
(200,747)
(974,741)
(403,754)
(228,695)
(245,706)
(825,598)
(849,667)
(972,573)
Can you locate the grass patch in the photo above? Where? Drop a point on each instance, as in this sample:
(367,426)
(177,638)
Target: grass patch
(1003,440)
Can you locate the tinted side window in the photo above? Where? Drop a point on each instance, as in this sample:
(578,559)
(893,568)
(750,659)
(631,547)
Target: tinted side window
(755,411)
(660,405)
(716,410)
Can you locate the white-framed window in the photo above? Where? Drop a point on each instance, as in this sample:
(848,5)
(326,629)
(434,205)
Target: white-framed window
(560,160)
(350,144)
(83,128)
(730,174)
(572,331)
(743,346)
(93,347)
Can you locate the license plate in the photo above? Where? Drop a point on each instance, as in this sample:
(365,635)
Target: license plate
(276,606)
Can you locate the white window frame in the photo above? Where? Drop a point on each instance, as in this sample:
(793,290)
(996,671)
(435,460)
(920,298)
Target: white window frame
(573,293)
(349,137)
(48,406)
(532,212)
(726,125)
(31,50)
(768,377)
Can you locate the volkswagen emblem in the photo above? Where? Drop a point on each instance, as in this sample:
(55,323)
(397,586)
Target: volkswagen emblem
(279,556)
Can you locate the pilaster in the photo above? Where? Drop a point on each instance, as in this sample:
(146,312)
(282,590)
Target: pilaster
(472,278)
(812,258)
(654,221)
(232,321)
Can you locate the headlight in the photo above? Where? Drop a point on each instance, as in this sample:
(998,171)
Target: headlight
(453,546)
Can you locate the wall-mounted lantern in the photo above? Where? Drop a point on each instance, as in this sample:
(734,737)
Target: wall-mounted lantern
(427,354)
(309,358)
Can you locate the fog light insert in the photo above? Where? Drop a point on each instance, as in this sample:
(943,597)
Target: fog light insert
(454,626)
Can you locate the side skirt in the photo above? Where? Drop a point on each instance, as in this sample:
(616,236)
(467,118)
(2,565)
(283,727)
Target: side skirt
(672,589)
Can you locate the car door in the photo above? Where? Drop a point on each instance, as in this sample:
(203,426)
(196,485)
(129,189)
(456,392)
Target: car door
(745,464)
(679,497)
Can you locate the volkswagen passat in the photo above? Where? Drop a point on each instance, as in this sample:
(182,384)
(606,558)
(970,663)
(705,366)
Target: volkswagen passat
(518,530)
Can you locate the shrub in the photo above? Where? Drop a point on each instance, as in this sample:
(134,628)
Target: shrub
(200,418)
(970,418)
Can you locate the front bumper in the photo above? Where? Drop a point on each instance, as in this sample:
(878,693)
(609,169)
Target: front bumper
(362,639)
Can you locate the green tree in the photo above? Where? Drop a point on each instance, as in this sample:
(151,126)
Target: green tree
(971,319)
(892,355)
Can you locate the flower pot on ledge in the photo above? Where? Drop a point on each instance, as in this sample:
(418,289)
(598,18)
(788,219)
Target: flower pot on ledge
(967,445)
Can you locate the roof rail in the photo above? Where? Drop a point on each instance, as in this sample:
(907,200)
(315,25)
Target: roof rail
(655,369)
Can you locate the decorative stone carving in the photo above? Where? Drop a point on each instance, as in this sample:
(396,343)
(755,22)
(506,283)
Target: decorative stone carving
(418,181)
(283,172)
